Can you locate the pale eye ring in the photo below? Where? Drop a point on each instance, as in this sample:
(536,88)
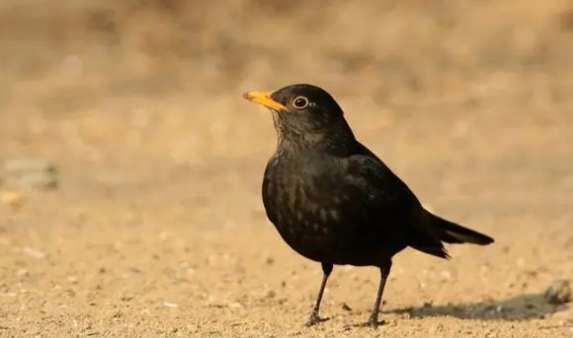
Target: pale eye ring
(300,102)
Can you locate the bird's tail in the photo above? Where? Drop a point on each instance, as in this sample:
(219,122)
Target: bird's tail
(450,232)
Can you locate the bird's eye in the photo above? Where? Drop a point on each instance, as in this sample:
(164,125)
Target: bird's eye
(300,102)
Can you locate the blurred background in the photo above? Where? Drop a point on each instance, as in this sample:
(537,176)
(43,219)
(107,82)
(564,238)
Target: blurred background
(100,73)
(124,138)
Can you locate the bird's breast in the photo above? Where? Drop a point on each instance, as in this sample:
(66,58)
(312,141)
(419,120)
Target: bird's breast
(304,207)
(296,204)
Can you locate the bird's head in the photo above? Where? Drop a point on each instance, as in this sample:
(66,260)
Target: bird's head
(305,116)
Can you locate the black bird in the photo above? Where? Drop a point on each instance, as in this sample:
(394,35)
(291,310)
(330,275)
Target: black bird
(335,202)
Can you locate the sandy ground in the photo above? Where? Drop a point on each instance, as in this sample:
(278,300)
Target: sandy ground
(157,228)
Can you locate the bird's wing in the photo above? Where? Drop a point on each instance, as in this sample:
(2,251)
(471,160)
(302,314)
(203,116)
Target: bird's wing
(388,204)
(384,194)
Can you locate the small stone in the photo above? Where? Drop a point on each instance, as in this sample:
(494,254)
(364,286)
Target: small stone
(12,199)
(345,307)
(559,292)
(446,275)
(33,253)
(28,165)
(30,173)
(126,298)
(38,180)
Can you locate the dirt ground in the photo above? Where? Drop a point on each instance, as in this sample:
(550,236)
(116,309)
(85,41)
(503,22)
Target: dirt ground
(156,227)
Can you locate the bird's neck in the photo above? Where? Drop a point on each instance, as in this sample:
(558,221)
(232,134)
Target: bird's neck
(338,141)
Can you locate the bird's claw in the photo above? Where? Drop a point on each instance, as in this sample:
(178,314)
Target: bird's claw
(373,323)
(315,319)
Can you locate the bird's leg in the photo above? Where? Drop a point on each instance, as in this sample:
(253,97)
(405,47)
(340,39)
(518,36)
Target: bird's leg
(384,273)
(314,317)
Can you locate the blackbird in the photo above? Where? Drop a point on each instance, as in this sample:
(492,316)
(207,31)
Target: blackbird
(334,201)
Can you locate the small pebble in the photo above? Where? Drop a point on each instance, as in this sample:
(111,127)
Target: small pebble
(12,199)
(345,307)
(38,180)
(559,292)
(33,253)
(446,275)
(30,173)
(270,294)
(28,165)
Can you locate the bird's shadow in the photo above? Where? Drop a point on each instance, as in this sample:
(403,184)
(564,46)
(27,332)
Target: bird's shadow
(522,307)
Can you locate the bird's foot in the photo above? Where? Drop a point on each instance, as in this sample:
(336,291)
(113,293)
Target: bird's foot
(369,323)
(372,322)
(315,319)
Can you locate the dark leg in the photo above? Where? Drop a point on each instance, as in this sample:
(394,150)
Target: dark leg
(314,318)
(384,272)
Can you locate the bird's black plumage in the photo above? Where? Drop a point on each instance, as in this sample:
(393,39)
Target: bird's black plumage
(333,200)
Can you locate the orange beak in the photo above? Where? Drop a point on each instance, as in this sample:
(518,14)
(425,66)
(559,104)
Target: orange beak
(264,98)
